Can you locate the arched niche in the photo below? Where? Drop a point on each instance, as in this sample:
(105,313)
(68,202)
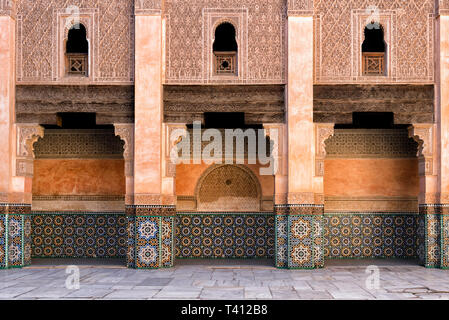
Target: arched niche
(228,188)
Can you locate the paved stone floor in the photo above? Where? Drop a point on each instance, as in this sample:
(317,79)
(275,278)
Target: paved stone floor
(232,280)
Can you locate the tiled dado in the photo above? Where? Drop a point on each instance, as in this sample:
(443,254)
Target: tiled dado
(434,235)
(224,235)
(15,235)
(150,236)
(299,236)
(78,235)
(370,235)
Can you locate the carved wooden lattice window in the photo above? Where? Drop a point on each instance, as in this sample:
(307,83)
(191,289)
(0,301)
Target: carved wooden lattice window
(373,50)
(77,49)
(225,50)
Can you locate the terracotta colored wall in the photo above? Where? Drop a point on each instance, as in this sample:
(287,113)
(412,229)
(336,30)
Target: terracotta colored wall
(187,176)
(371,177)
(79,177)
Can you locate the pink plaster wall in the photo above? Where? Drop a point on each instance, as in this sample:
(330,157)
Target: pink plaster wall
(79,177)
(371,177)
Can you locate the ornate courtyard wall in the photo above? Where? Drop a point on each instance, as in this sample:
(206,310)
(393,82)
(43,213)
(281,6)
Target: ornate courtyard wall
(78,207)
(371,187)
(224,211)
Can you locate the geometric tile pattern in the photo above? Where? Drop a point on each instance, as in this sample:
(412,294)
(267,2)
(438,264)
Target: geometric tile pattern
(305,242)
(444,241)
(370,235)
(167,234)
(147,242)
(15,236)
(432,240)
(131,249)
(79,235)
(299,237)
(3,251)
(228,235)
(281,241)
(15,249)
(150,242)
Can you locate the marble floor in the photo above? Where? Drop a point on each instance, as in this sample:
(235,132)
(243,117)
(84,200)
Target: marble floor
(224,279)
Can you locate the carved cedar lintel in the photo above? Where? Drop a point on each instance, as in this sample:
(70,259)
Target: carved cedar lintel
(323,132)
(27,135)
(423,135)
(126,133)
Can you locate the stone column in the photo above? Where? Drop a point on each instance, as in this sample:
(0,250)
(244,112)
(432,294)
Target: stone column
(299,220)
(151,214)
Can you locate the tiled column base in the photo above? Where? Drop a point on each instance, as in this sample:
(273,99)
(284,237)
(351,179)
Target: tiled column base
(150,236)
(299,236)
(15,235)
(433,235)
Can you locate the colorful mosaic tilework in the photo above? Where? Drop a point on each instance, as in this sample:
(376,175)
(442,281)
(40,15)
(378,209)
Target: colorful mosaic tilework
(305,242)
(281,241)
(241,235)
(432,240)
(15,235)
(150,242)
(370,235)
(15,243)
(147,242)
(3,256)
(131,251)
(167,234)
(79,235)
(421,239)
(445,241)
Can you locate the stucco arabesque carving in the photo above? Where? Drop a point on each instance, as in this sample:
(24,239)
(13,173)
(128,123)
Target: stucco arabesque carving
(126,133)
(323,132)
(423,135)
(27,135)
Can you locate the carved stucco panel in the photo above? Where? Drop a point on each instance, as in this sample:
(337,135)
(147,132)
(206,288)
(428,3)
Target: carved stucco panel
(27,135)
(423,134)
(335,32)
(126,132)
(187,39)
(37,39)
(323,132)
